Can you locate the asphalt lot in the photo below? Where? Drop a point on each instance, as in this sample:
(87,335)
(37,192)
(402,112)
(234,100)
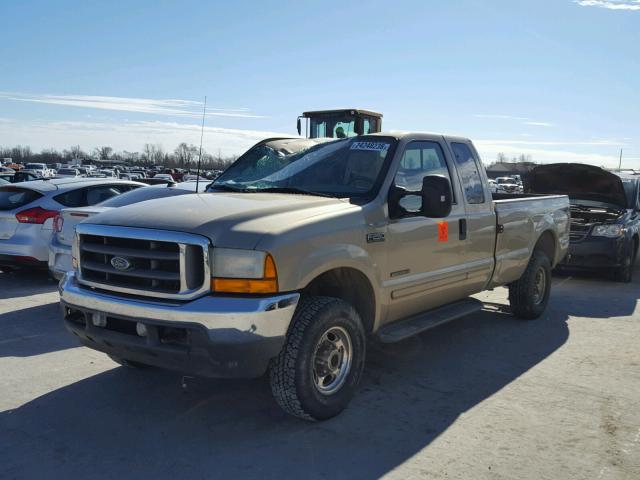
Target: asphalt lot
(487,396)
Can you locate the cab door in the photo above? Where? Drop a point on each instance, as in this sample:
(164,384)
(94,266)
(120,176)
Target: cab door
(481,218)
(426,259)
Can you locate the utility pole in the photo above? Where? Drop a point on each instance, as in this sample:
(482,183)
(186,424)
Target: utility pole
(620,162)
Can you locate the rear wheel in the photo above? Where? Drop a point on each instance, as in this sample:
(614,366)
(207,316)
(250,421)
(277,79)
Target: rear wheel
(318,370)
(529,295)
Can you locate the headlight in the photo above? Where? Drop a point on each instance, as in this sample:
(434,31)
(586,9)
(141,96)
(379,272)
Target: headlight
(611,231)
(243,271)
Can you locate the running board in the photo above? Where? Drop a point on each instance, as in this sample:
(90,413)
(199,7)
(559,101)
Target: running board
(411,326)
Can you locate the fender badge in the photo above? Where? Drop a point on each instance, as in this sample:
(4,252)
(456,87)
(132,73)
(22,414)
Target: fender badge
(375,237)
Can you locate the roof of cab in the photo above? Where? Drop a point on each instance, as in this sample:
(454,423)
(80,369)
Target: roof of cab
(401,135)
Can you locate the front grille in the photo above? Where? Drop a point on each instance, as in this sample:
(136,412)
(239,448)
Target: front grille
(143,262)
(578,231)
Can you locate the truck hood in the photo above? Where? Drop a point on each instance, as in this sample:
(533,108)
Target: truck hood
(235,220)
(579,181)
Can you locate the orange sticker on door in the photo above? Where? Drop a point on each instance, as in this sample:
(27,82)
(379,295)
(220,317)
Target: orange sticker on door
(443,231)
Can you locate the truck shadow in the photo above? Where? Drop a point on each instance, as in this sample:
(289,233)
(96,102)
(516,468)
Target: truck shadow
(21,283)
(594,294)
(127,423)
(33,331)
(30,326)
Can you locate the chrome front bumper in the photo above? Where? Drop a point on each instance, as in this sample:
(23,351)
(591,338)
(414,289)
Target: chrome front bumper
(263,316)
(223,337)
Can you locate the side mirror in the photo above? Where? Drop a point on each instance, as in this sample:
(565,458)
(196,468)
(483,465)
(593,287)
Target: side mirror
(437,198)
(299,126)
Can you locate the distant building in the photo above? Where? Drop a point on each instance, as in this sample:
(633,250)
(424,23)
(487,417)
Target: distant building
(507,169)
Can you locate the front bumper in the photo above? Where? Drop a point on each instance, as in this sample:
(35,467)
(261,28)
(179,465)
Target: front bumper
(224,337)
(593,253)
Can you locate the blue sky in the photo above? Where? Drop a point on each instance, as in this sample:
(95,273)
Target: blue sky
(556,79)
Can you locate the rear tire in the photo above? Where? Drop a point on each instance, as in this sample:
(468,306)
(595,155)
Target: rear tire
(529,295)
(318,370)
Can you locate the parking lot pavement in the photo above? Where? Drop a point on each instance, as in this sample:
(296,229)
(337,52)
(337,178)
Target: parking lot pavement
(487,396)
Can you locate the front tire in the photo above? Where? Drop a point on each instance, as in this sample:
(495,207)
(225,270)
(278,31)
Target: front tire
(624,273)
(529,295)
(318,370)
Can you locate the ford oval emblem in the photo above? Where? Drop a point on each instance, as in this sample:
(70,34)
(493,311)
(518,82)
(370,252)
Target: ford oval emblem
(120,263)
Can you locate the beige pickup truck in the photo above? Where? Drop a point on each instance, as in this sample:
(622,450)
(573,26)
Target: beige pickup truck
(303,250)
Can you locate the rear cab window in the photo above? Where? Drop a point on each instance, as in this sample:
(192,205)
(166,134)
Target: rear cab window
(469,172)
(16,197)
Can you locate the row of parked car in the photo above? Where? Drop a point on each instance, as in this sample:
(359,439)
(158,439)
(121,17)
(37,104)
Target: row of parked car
(14,173)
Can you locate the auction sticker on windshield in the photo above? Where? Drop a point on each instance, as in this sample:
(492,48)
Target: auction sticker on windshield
(370,146)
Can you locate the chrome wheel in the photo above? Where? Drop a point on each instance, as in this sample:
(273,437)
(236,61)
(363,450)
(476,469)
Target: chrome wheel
(332,360)
(539,286)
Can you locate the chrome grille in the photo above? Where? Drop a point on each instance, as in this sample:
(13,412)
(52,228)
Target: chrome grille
(145,262)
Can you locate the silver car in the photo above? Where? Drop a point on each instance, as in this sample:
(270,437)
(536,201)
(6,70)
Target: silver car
(65,224)
(28,209)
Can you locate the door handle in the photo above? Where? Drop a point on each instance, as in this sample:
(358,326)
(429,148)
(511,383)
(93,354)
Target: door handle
(462,227)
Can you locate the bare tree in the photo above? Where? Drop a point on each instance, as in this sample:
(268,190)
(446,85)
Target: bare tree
(185,154)
(103,153)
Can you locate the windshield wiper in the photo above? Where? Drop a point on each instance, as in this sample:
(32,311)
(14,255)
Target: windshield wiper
(290,190)
(227,188)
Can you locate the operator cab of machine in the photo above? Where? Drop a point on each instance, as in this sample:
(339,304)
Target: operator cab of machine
(340,123)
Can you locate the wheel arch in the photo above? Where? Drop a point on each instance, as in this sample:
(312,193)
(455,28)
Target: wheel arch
(350,285)
(548,244)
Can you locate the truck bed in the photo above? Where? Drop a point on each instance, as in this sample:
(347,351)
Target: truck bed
(521,218)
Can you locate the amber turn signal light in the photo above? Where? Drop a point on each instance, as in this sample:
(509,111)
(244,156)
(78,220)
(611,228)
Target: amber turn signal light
(267,284)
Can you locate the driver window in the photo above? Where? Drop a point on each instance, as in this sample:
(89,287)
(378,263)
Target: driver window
(419,160)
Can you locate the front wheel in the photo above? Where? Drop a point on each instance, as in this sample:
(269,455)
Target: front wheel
(624,273)
(529,295)
(318,370)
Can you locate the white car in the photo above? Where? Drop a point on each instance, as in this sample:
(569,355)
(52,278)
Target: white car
(164,176)
(68,172)
(507,185)
(493,186)
(190,177)
(40,168)
(28,209)
(65,223)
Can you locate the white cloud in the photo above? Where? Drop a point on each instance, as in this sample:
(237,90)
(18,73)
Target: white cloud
(499,117)
(133,135)
(172,107)
(128,135)
(522,120)
(611,4)
(538,124)
(539,152)
(543,143)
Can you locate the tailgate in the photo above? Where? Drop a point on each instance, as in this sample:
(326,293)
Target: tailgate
(72,217)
